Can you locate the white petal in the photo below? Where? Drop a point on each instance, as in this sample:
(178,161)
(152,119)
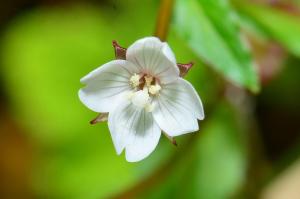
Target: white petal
(106,85)
(155,58)
(135,130)
(168,52)
(113,68)
(118,136)
(177,108)
(184,94)
(165,47)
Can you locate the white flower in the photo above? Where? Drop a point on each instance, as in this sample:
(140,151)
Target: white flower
(143,95)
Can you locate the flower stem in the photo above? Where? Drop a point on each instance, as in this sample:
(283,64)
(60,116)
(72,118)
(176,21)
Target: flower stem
(163,19)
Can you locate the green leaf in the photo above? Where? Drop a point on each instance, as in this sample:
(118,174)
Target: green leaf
(281,26)
(211,31)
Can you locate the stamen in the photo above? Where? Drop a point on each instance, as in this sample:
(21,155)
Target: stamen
(144,88)
(148,80)
(154,89)
(135,80)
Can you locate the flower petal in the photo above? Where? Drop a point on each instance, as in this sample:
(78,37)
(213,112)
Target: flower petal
(106,85)
(155,58)
(168,52)
(184,95)
(134,129)
(177,108)
(112,68)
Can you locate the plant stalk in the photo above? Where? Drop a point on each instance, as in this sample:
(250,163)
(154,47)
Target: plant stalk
(163,19)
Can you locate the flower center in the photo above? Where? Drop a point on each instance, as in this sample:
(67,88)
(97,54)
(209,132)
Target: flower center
(139,82)
(145,86)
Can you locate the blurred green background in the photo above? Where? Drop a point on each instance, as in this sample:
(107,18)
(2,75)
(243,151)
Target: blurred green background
(247,72)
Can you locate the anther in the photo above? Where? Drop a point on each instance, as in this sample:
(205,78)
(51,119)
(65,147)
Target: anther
(154,89)
(135,80)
